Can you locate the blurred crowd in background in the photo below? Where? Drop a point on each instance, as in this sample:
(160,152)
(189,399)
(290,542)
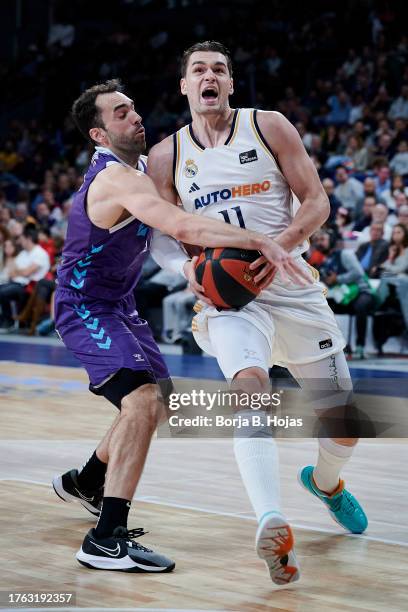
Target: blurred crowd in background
(341,77)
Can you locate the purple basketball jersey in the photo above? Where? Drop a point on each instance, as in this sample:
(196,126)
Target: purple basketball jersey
(102,263)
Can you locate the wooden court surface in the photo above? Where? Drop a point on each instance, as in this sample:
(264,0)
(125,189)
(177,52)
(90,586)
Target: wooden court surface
(193,503)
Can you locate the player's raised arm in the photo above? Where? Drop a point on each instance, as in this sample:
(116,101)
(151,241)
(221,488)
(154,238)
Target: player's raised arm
(298,169)
(134,191)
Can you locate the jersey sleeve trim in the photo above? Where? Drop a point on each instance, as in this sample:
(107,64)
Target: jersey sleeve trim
(175,156)
(261,138)
(193,139)
(234,127)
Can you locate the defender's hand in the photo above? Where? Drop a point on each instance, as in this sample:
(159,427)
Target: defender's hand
(266,272)
(284,263)
(193,285)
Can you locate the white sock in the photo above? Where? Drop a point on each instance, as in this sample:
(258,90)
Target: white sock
(332,458)
(258,463)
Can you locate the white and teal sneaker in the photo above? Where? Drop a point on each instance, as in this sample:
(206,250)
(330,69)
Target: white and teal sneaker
(342,505)
(274,544)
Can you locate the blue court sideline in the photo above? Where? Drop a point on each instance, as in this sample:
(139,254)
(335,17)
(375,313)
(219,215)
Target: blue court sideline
(50,351)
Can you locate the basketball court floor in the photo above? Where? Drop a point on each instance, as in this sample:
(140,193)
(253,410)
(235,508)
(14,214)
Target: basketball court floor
(191,501)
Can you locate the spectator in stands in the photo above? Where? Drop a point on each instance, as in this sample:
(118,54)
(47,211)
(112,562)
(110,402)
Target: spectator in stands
(349,190)
(382,100)
(342,267)
(352,64)
(5,217)
(4,203)
(64,188)
(21,212)
(392,316)
(343,222)
(365,217)
(399,163)
(10,251)
(335,203)
(340,108)
(31,264)
(42,214)
(400,199)
(59,228)
(397,185)
(369,190)
(315,256)
(331,140)
(385,147)
(379,215)
(16,228)
(373,253)
(47,243)
(403,215)
(358,153)
(9,158)
(400,131)
(4,235)
(399,108)
(397,261)
(382,180)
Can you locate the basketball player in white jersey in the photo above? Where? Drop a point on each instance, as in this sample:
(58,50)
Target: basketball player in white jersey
(246,167)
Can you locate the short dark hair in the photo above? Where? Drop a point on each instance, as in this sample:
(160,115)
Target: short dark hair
(207,45)
(30,231)
(85,113)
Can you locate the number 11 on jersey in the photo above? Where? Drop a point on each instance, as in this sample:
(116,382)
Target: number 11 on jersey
(238,212)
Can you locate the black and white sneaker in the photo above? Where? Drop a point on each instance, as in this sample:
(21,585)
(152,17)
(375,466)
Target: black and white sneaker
(67,488)
(120,552)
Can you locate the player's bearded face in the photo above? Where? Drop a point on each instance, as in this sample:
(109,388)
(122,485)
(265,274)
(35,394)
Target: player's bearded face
(132,142)
(122,126)
(207,83)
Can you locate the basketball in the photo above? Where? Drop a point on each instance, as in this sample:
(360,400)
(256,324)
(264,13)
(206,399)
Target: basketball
(225,275)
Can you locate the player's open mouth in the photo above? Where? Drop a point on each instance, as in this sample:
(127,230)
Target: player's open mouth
(209,95)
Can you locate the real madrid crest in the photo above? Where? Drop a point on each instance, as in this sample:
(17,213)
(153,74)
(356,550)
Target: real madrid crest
(190,169)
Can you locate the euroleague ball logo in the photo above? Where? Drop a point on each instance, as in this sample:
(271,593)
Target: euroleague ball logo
(190,169)
(248,275)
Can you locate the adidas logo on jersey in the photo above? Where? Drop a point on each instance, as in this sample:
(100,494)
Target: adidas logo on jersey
(194,187)
(324,344)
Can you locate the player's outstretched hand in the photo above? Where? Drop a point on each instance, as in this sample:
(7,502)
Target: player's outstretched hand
(279,260)
(193,285)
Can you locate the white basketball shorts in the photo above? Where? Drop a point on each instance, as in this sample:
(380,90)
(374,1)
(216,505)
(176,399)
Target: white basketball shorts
(287,324)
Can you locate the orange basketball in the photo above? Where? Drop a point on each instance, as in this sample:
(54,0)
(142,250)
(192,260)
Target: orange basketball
(225,275)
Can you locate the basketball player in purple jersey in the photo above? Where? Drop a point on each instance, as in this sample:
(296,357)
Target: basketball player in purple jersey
(109,235)
(244,166)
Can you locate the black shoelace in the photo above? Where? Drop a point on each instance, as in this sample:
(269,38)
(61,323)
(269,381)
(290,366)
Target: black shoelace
(132,534)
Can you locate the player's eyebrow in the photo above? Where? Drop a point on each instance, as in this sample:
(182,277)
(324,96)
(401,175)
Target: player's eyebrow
(123,105)
(214,64)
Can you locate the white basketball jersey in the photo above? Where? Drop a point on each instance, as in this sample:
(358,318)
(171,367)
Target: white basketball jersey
(239,182)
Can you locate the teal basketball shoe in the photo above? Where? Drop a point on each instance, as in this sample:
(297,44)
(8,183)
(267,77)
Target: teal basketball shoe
(342,505)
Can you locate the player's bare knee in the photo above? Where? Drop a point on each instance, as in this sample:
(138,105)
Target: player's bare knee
(142,406)
(252,379)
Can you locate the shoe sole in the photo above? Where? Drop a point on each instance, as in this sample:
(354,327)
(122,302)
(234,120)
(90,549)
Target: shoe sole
(67,497)
(274,544)
(125,564)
